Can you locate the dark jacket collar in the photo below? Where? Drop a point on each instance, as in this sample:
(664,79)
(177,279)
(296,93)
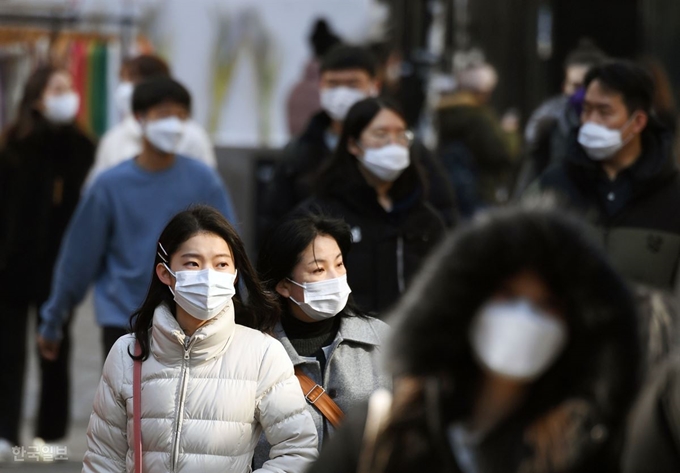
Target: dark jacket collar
(316,129)
(357,194)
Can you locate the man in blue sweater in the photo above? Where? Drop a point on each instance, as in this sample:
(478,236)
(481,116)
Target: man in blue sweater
(112,237)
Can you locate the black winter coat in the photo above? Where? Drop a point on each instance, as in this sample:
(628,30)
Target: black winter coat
(41,176)
(388,247)
(642,235)
(295,176)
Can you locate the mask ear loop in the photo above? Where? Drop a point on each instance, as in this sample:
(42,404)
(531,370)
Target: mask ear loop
(626,125)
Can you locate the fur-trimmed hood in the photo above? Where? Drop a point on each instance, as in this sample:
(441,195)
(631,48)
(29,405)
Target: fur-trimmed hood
(431,324)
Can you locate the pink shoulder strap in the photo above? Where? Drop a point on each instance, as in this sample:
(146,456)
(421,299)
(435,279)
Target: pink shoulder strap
(137,409)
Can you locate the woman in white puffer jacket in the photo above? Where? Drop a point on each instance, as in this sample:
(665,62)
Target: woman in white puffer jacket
(210,384)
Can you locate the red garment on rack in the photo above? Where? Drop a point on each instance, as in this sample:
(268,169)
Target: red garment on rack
(79,72)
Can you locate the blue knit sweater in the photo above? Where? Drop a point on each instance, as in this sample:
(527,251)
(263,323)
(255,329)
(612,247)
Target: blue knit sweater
(111,239)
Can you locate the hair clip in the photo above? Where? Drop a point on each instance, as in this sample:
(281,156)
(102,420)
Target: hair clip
(164,258)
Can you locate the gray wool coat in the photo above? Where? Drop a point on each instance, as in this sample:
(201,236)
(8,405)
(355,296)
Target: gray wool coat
(354,369)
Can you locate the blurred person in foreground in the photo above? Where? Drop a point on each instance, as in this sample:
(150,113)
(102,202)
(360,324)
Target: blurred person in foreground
(472,145)
(375,183)
(348,75)
(120,215)
(620,175)
(515,351)
(550,126)
(44,158)
(125,140)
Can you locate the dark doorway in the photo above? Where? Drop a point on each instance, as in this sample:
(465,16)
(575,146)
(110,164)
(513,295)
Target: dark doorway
(611,24)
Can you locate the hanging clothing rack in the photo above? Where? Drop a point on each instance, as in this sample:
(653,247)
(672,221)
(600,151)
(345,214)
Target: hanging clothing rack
(90,46)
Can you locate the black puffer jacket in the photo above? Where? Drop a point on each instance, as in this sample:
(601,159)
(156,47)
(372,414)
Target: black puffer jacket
(40,180)
(641,235)
(388,247)
(295,176)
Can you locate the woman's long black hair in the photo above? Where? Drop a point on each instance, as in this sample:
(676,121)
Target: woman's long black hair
(432,323)
(27,115)
(260,310)
(283,247)
(344,166)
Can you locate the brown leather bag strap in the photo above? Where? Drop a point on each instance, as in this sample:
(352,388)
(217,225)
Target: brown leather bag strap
(316,395)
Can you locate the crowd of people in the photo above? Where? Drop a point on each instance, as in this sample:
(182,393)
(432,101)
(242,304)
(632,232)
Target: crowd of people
(477,306)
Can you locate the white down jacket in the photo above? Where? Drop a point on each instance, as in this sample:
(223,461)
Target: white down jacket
(205,401)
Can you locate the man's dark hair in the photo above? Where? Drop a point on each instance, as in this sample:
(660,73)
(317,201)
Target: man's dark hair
(156,91)
(343,56)
(145,67)
(323,38)
(628,79)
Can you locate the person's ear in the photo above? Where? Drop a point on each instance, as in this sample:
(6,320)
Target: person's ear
(283,288)
(640,121)
(164,275)
(376,87)
(353,148)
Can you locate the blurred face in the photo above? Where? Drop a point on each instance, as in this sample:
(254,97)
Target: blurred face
(573,78)
(164,110)
(386,128)
(528,285)
(353,78)
(59,84)
(321,260)
(126,75)
(607,108)
(519,333)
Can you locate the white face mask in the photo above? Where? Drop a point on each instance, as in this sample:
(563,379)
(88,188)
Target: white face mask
(62,108)
(386,163)
(123,98)
(601,143)
(203,294)
(337,101)
(515,340)
(324,299)
(165,133)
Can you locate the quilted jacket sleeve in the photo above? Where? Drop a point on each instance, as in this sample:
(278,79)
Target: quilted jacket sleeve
(282,412)
(107,444)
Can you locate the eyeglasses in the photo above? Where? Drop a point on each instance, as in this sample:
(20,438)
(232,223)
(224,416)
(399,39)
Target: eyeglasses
(382,137)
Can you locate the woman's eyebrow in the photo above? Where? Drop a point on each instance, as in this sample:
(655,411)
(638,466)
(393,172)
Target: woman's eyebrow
(316,261)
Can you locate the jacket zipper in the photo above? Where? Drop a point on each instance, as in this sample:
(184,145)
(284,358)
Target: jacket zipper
(400,264)
(180,411)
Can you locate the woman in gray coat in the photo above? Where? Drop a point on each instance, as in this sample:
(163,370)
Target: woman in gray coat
(326,337)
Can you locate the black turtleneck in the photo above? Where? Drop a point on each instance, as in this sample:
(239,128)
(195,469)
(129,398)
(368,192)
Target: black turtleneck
(308,338)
